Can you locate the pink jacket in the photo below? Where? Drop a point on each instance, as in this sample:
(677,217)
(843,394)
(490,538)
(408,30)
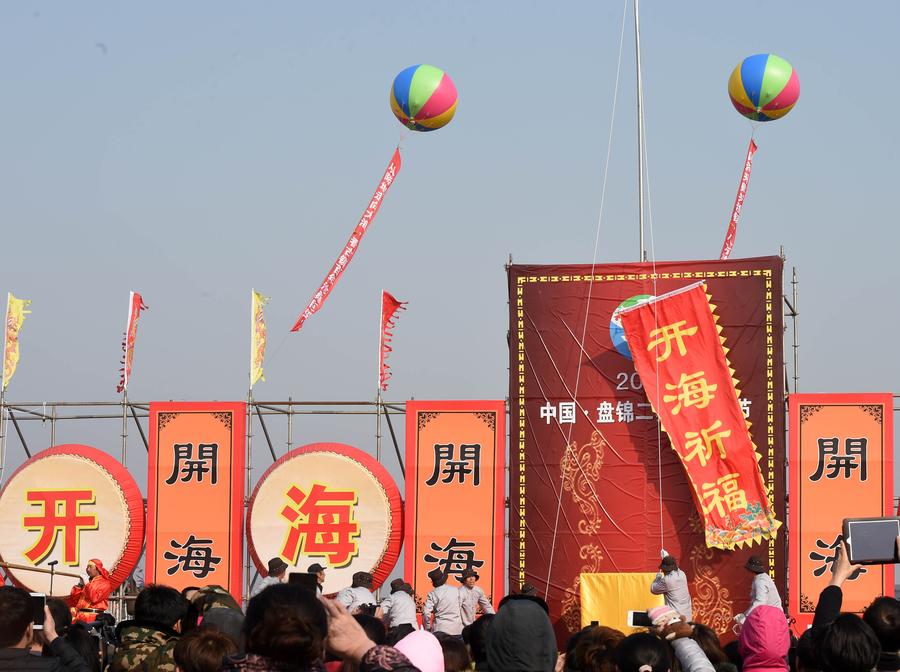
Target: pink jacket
(764,640)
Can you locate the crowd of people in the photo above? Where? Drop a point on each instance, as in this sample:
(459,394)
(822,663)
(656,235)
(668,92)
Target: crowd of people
(290,627)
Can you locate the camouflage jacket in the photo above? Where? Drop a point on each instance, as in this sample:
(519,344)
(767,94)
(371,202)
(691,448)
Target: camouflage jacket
(144,647)
(214,597)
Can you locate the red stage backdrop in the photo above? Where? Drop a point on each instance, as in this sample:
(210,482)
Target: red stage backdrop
(842,453)
(585,468)
(195,496)
(455,468)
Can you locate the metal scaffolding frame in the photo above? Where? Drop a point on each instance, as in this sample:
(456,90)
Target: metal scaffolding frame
(132,413)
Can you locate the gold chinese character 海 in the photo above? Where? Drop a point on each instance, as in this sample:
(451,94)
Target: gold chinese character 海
(700,444)
(668,333)
(692,390)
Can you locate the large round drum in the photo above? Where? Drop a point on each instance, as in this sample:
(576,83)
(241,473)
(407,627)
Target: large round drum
(331,504)
(68,504)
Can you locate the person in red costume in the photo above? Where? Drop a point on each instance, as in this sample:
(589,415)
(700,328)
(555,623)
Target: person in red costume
(92,599)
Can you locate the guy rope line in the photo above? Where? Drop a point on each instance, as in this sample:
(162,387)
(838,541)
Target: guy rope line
(587,305)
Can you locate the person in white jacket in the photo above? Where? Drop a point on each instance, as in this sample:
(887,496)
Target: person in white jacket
(672,584)
(359,594)
(763,590)
(398,609)
(442,612)
(471,597)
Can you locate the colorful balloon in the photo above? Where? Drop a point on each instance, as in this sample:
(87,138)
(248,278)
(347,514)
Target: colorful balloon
(764,87)
(423,98)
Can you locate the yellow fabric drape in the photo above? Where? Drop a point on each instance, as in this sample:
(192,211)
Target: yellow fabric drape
(608,597)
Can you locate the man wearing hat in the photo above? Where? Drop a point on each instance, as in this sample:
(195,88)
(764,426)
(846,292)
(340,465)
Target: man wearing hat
(359,594)
(471,597)
(442,612)
(528,589)
(763,590)
(399,610)
(672,584)
(276,574)
(319,571)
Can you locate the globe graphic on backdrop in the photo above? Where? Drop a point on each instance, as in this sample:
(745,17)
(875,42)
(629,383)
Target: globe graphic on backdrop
(616,333)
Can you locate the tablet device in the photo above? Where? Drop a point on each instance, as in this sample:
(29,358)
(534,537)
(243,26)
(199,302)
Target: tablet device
(872,541)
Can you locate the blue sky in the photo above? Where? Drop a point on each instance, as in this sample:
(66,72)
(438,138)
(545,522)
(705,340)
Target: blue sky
(191,151)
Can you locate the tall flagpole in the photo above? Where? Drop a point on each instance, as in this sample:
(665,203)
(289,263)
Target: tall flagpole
(249,454)
(378,393)
(3,424)
(642,255)
(3,391)
(125,428)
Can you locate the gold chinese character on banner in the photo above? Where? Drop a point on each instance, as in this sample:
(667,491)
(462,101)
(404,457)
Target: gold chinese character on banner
(665,335)
(700,444)
(723,494)
(692,390)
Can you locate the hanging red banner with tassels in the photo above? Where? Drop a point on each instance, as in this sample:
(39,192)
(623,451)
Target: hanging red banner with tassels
(389,309)
(728,245)
(350,248)
(135,306)
(681,357)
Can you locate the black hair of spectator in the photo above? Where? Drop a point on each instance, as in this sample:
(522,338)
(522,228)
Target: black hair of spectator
(734,655)
(883,616)
(15,615)
(287,624)
(475,635)
(806,653)
(203,650)
(397,633)
(62,614)
(161,605)
(374,627)
(531,598)
(847,645)
(456,655)
(595,649)
(708,640)
(189,622)
(571,644)
(641,649)
(84,643)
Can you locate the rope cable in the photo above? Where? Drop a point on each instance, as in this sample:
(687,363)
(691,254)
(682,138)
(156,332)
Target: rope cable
(612,122)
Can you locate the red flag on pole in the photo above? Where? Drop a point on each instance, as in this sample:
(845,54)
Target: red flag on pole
(135,306)
(389,308)
(349,250)
(728,245)
(680,354)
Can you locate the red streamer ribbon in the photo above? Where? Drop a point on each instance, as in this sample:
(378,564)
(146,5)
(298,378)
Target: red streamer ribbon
(728,245)
(389,308)
(350,248)
(135,306)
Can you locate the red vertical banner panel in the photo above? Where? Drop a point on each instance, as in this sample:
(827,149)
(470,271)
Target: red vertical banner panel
(841,467)
(455,492)
(195,496)
(595,485)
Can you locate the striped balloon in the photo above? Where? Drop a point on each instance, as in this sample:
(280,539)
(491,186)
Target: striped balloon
(423,98)
(764,87)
